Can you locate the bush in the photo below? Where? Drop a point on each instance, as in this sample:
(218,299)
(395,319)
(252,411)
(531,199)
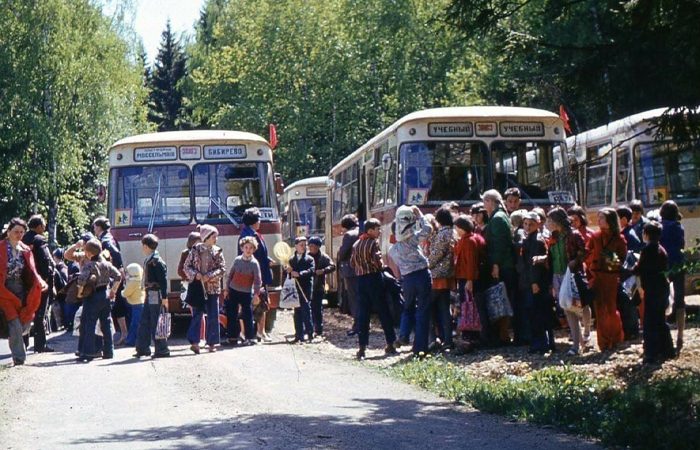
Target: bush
(658,414)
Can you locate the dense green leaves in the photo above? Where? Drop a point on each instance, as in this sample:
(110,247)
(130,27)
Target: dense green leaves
(69,87)
(329,74)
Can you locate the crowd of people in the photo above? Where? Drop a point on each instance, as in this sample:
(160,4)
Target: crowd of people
(499,275)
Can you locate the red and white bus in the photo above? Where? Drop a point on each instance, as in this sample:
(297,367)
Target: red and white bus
(438,155)
(167,183)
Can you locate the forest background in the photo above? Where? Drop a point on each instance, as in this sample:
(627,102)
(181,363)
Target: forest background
(330,74)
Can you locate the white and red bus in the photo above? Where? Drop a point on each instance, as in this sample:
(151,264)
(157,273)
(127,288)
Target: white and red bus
(631,158)
(303,208)
(167,183)
(438,155)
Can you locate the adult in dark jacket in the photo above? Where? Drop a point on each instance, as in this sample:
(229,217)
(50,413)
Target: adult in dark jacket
(673,241)
(632,237)
(651,268)
(324,265)
(351,233)
(301,268)
(34,239)
(251,227)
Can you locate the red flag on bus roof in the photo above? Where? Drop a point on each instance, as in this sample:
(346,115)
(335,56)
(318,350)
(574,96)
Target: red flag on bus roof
(565,118)
(273,136)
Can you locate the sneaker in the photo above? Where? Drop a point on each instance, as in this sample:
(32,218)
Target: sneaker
(266,338)
(360,355)
(248,343)
(211,348)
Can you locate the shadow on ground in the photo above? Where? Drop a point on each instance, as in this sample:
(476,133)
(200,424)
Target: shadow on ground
(382,423)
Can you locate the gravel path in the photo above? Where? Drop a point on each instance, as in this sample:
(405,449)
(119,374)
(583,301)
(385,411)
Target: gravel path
(267,396)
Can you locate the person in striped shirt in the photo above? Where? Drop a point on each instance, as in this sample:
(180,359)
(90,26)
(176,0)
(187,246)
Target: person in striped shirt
(366,260)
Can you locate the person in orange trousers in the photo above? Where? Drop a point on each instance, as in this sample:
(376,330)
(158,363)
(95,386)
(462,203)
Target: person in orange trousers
(607,250)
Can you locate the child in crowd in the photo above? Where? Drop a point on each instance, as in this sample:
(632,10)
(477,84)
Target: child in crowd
(135,295)
(535,282)
(324,265)
(96,275)
(653,262)
(470,251)
(301,267)
(244,283)
(156,286)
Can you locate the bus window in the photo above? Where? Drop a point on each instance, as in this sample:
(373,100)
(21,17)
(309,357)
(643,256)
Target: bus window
(346,195)
(235,186)
(307,216)
(525,165)
(135,189)
(391,179)
(598,176)
(436,171)
(665,170)
(623,179)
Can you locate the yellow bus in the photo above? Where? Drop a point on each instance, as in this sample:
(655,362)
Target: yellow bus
(303,208)
(439,155)
(630,159)
(168,183)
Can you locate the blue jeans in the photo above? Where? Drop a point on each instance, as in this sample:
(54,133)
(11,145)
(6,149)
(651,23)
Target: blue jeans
(212,310)
(136,311)
(16,340)
(302,320)
(96,307)
(317,311)
(441,303)
(416,313)
(372,294)
(147,332)
(233,324)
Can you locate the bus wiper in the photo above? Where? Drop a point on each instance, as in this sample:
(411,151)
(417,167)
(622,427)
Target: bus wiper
(156,202)
(217,203)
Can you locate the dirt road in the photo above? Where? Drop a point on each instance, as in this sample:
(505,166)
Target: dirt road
(266,396)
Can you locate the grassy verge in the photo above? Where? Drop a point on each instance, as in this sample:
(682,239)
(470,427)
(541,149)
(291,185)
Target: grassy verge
(659,414)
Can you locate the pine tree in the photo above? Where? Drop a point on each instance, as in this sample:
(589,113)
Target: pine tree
(166,99)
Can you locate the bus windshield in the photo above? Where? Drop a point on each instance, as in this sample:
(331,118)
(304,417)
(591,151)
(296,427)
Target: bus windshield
(525,165)
(307,216)
(222,188)
(435,171)
(667,171)
(161,192)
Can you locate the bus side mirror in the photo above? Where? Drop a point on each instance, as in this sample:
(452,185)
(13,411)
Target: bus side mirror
(279,184)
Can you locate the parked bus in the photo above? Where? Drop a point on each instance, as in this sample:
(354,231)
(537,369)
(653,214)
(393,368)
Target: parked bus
(438,155)
(167,183)
(303,207)
(630,159)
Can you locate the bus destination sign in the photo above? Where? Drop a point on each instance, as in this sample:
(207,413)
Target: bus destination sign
(155,154)
(521,129)
(224,152)
(451,129)
(190,152)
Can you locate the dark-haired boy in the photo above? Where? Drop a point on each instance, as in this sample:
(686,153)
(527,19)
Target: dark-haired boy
(155,282)
(323,266)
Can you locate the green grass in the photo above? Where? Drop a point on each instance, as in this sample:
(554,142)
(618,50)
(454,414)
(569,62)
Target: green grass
(653,415)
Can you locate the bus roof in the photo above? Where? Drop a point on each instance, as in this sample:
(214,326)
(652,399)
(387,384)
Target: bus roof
(165,137)
(454,112)
(307,182)
(621,126)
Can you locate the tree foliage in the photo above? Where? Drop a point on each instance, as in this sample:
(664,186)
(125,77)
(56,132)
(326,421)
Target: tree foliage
(329,74)
(69,87)
(603,59)
(166,106)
